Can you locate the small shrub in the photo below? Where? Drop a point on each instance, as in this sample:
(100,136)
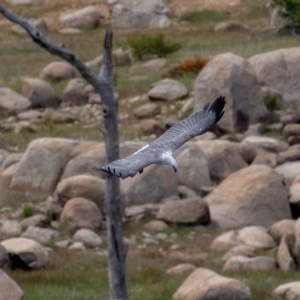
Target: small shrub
(151,45)
(290,10)
(271,132)
(27,211)
(193,65)
(204,16)
(271,102)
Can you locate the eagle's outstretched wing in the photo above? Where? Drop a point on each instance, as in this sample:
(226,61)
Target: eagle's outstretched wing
(196,124)
(134,163)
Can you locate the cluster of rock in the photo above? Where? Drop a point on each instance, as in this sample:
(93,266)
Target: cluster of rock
(140,14)
(250,192)
(124,13)
(234,181)
(247,82)
(39,102)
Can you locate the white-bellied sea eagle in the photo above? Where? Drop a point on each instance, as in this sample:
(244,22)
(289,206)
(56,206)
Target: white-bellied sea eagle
(161,150)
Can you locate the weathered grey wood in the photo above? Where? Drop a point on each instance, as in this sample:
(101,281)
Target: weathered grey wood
(116,248)
(103,84)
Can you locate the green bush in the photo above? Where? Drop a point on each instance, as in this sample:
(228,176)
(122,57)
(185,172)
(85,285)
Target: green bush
(290,10)
(27,211)
(143,46)
(271,102)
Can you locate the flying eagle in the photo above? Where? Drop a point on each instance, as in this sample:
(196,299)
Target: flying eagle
(161,150)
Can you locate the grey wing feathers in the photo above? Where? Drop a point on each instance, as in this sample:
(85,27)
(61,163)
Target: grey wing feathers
(132,164)
(118,167)
(196,124)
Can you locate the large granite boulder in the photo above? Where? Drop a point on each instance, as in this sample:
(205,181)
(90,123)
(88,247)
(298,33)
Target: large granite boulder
(287,291)
(48,160)
(26,253)
(11,101)
(41,165)
(147,110)
(206,284)
(75,92)
(223,157)
(44,236)
(289,171)
(10,290)
(279,70)
(152,186)
(84,18)
(193,169)
(87,160)
(285,259)
(190,211)
(40,93)
(168,89)
(88,237)
(140,14)
(86,186)
(80,213)
(9,229)
(57,71)
(233,77)
(255,195)
(255,237)
(258,263)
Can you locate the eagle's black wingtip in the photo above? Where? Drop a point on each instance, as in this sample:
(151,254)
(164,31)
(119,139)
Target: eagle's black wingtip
(108,169)
(104,169)
(220,102)
(218,107)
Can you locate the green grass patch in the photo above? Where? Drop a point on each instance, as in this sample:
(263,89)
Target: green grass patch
(128,86)
(187,79)
(212,43)
(257,11)
(262,284)
(83,275)
(71,275)
(73,131)
(204,16)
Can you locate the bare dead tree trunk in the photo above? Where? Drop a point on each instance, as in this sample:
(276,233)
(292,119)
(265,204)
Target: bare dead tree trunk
(103,84)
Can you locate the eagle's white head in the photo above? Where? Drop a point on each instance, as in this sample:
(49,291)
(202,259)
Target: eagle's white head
(168,159)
